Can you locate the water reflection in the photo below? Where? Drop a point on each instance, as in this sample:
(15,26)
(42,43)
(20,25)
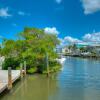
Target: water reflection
(79,80)
(35,87)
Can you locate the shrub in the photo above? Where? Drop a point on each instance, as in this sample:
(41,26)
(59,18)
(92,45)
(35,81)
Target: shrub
(32,70)
(10,62)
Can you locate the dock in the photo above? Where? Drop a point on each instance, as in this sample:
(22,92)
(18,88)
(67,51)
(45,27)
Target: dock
(8,77)
(4,78)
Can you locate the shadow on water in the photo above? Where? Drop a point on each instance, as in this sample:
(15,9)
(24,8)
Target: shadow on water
(79,80)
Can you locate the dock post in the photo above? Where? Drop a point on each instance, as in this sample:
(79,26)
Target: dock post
(47,64)
(9,78)
(21,70)
(24,68)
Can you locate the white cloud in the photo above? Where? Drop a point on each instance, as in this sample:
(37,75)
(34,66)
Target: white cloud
(51,30)
(62,43)
(91,6)
(93,37)
(58,1)
(87,39)
(4,12)
(71,39)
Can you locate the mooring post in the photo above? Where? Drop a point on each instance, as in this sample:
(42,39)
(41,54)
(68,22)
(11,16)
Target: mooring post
(25,68)
(9,78)
(47,63)
(21,70)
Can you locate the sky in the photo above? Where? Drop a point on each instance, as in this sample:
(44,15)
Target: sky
(71,20)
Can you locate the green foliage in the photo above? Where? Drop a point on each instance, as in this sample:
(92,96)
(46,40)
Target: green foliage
(93,54)
(32,46)
(32,70)
(83,49)
(54,67)
(10,62)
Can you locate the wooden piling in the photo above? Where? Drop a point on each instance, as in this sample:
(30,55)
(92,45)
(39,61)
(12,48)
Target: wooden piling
(21,70)
(24,68)
(47,64)
(9,78)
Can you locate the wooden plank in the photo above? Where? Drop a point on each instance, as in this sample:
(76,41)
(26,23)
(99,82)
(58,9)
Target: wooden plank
(3,86)
(4,78)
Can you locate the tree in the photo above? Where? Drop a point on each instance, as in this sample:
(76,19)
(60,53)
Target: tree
(32,46)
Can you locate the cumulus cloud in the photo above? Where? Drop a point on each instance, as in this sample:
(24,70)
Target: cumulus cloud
(51,30)
(91,6)
(89,38)
(62,42)
(94,37)
(71,39)
(4,12)
(58,1)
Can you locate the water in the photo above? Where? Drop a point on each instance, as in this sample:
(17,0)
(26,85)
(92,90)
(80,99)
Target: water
(79,80)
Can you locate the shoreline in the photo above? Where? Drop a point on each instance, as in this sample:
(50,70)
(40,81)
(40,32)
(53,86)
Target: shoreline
(81,56)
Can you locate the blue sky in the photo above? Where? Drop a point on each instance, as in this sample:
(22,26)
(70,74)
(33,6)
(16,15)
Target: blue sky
(72,20)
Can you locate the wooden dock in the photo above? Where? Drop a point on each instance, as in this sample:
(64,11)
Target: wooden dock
(4,78)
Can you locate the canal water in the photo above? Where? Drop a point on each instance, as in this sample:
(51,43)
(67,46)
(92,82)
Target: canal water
(79,80)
